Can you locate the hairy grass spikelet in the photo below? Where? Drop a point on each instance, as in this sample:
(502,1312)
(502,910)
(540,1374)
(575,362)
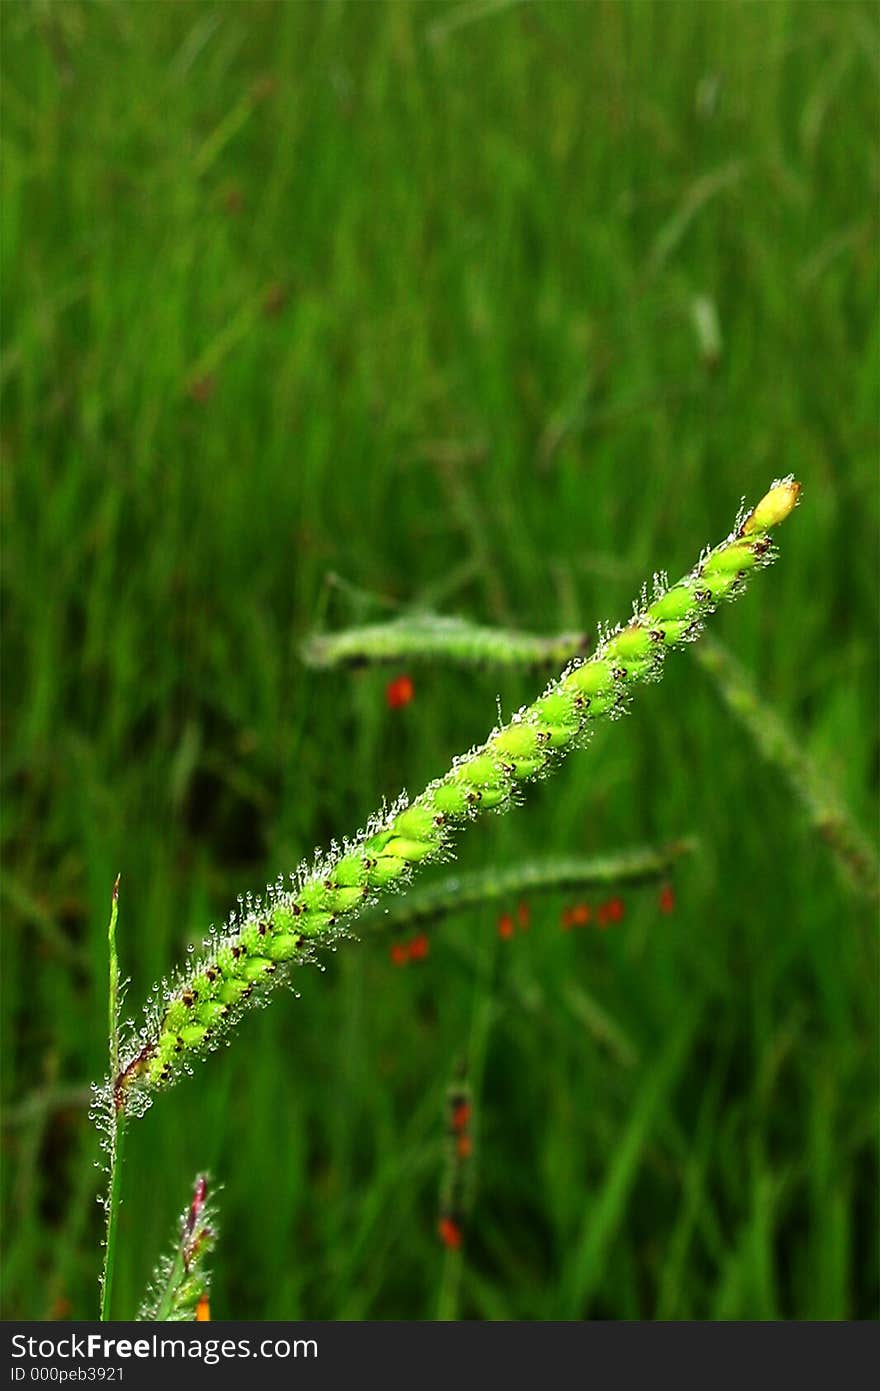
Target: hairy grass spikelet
(181,1283)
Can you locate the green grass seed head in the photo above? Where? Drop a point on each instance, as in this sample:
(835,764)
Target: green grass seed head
(270,936)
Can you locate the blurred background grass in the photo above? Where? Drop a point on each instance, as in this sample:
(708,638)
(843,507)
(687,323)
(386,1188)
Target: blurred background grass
(406,292)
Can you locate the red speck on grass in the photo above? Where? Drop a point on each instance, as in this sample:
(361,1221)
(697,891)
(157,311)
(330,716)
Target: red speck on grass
(449,1233)
(505,927)
(399,692)
(461,1115)
(610,912)
(463,1146)
(666,900)
(580,914)
(419,947)
(399,954)
(523,916)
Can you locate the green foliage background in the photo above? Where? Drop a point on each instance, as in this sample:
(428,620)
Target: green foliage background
(405,292)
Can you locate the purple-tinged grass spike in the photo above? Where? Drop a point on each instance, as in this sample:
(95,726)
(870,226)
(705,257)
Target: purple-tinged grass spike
(181,1284)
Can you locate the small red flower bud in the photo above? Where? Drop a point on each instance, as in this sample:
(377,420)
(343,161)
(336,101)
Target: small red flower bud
(399,692)
(666,900)
(461,1115)
(505,926)
(450,1233)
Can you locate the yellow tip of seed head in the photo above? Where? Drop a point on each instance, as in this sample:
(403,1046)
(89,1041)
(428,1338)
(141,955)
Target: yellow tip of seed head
(774,507)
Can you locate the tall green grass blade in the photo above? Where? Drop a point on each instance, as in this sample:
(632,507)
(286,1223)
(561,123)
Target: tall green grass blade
(582,1272)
